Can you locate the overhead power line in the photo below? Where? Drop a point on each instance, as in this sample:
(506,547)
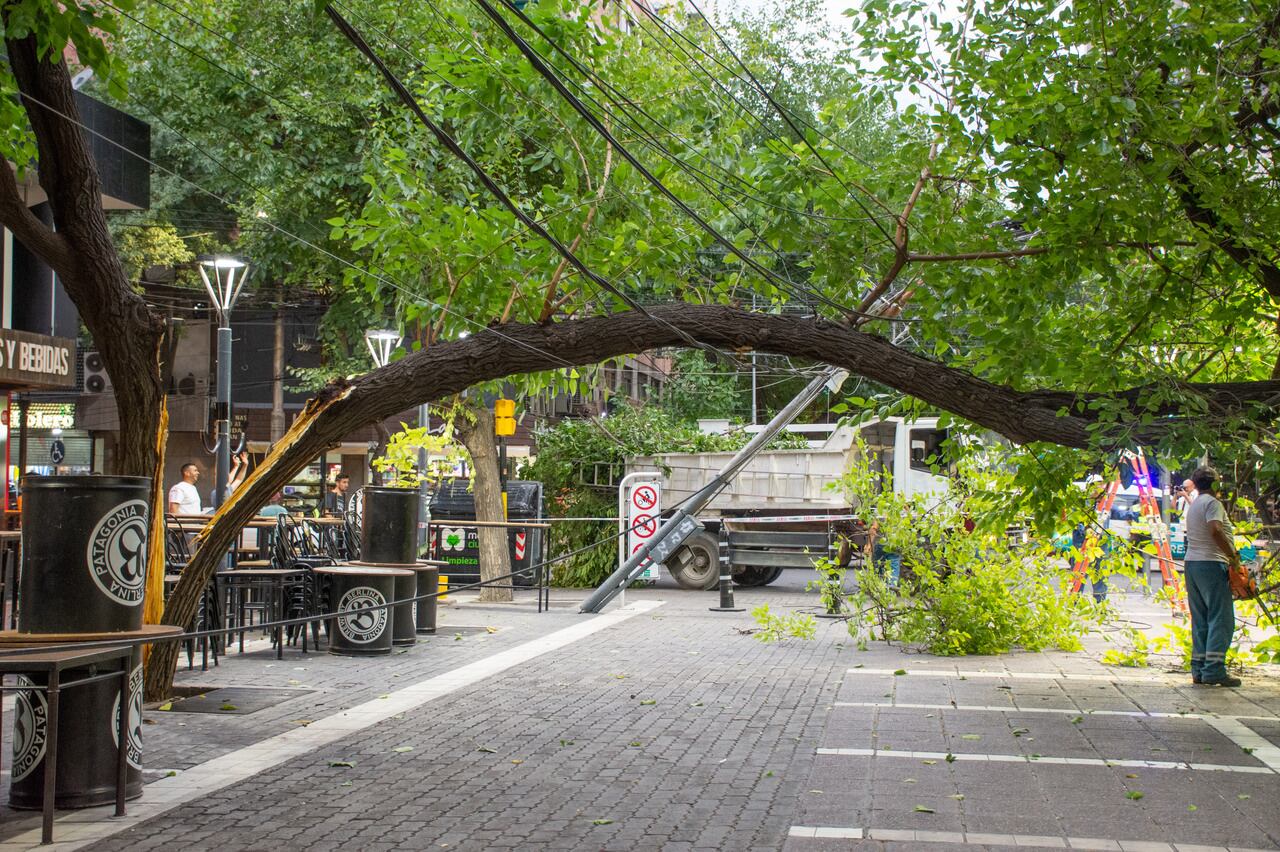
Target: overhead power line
(551,77)
(489,183)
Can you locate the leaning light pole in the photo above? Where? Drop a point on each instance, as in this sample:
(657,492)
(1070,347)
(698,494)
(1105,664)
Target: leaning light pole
(683,523)
(224,279)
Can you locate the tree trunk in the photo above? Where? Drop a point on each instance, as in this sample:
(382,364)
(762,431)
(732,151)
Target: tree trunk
(80,250)
(474,427)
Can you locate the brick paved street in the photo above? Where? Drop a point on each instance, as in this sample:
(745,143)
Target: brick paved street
(669,728)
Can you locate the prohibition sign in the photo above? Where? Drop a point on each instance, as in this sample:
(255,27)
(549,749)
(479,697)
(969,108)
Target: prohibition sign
(644,526)
(644,497)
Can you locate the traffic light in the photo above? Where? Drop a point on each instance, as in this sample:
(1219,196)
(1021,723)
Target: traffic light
(504,417)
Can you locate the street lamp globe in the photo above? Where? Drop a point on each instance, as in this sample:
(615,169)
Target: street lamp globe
(223,279)
(382,342)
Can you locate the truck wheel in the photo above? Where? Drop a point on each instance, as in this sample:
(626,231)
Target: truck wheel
(773,575)
(696,565)
(755,575)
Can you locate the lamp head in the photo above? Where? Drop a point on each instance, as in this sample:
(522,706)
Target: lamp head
(381,342)
(223,279)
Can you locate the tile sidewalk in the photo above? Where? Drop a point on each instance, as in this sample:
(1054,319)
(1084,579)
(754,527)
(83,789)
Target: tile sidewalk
(675,730)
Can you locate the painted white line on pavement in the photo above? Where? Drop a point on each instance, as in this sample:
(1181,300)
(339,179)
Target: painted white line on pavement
(1023,675)
(986,708)
(1059,761)
(1030,841)
(1249,740)
(90,825)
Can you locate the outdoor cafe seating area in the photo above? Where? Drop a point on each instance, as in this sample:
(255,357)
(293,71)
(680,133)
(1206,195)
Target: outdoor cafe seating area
(269,576)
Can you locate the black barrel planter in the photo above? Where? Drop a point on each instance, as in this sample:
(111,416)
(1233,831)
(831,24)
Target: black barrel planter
(361,625)
(428,584)
(403,630)
(84,554)
(389,527)
(88,720)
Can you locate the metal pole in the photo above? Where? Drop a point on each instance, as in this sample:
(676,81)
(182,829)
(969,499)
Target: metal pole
(682,523)
(424,505)
(223,412)
(755,414)
(22,439)
(726,591)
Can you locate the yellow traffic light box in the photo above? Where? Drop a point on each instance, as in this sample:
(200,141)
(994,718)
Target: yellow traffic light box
(504,417)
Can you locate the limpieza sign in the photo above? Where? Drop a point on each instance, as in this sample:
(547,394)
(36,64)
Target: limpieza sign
(36,360)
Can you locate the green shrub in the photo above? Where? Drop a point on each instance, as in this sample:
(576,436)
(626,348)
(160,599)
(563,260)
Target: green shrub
(962,591)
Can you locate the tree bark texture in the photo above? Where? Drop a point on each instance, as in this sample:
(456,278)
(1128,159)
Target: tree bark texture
(79,248)
(448,368)
(474,427)
(127,333)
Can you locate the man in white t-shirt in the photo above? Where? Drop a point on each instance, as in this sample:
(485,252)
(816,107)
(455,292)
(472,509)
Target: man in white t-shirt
(184,499)
(1210,550)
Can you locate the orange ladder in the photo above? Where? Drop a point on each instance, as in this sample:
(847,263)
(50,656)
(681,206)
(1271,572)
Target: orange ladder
(1105,502)
(1150,509)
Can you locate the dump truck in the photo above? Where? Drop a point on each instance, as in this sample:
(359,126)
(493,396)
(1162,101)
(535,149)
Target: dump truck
(784,508)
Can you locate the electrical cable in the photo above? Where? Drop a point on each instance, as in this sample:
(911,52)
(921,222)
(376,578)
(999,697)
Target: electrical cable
(301,240)
(206,59)
(524,218)
(784,114)
(535,59)
(489,183)
(645,138)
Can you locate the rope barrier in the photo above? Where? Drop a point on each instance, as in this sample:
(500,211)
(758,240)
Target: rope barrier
(265,625)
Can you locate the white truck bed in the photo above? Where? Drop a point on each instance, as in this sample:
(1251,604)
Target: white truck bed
(773,480)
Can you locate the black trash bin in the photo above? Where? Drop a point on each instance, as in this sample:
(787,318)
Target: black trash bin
(84,558)
(84,553)
(458,544)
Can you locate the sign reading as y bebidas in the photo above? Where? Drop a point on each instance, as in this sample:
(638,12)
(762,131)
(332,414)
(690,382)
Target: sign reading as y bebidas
(36,360)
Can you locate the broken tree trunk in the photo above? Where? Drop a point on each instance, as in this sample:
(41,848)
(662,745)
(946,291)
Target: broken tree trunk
(445,369)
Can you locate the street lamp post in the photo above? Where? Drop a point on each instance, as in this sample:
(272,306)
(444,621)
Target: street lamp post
(381,342)
(223,279)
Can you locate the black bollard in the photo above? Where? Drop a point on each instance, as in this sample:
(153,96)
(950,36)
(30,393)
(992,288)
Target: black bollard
(726,592)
